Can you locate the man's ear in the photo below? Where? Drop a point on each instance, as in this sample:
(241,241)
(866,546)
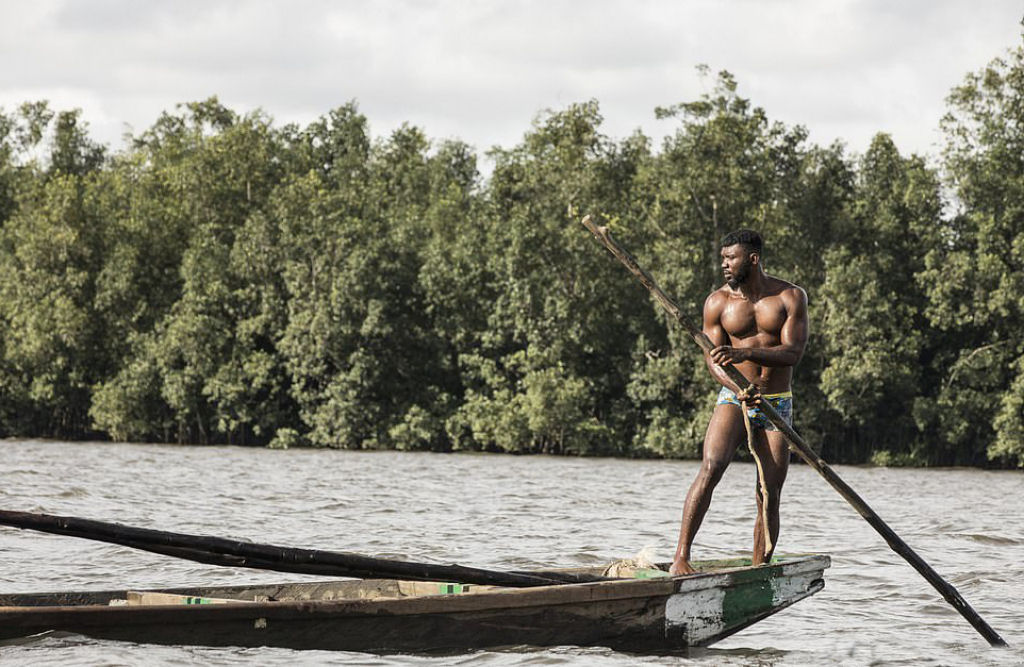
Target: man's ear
(755,258)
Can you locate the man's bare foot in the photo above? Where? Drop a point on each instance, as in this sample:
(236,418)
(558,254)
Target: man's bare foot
(681,566)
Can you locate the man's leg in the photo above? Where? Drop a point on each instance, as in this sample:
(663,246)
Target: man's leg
(725,431)
(773,452)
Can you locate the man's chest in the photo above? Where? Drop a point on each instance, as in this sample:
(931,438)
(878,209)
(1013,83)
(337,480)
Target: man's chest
(742,319)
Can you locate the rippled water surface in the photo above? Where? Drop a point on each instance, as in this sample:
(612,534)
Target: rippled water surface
(508,512)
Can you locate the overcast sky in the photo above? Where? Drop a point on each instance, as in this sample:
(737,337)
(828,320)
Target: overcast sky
(481,71)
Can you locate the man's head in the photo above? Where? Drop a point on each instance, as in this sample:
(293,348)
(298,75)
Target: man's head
(741,254)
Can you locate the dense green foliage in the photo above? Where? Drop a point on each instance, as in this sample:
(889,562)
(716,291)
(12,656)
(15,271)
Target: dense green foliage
(221,279)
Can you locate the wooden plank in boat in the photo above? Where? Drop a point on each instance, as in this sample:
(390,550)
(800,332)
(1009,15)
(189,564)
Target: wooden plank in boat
(421,588)
(145,598)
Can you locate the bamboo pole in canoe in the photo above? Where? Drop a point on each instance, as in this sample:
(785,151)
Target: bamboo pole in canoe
(797,444)
(237,553)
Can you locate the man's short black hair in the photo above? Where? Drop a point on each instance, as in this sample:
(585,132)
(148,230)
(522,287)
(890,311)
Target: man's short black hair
(745,237)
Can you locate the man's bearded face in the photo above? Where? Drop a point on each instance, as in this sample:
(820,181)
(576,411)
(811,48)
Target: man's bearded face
(736,265)
(741,274)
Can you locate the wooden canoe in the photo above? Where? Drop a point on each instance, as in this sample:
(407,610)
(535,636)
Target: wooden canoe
(644,611)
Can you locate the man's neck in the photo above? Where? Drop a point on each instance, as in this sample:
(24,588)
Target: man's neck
(754,286)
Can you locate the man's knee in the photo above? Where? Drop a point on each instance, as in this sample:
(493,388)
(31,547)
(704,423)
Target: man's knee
(712,469)
(774,496)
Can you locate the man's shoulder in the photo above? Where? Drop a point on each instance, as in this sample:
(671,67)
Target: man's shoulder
(791,297)
(787,290)
(718,297)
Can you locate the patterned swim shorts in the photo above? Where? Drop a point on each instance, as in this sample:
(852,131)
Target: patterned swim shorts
(783,404)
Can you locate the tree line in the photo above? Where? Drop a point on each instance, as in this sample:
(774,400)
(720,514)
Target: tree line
(222,279)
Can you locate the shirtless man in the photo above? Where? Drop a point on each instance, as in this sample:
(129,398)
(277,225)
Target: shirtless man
(759,325)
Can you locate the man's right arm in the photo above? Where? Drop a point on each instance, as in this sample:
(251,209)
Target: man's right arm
(713,329)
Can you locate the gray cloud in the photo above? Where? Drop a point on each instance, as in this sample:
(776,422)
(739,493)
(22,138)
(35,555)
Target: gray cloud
(481,71)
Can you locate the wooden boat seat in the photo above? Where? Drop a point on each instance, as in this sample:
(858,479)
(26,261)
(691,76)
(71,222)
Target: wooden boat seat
(145,598)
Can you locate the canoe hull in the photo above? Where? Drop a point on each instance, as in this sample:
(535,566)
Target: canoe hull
(657,615)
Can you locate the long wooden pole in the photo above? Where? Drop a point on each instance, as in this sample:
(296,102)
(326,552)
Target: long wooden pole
(236,553)
(950,593)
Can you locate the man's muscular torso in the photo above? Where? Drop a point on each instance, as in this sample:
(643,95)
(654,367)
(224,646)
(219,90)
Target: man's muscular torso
(774,321)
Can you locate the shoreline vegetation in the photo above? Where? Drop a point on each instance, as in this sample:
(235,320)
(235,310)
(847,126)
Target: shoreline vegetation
(222,279)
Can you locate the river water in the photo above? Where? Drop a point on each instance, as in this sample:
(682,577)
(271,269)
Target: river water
(508,512)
